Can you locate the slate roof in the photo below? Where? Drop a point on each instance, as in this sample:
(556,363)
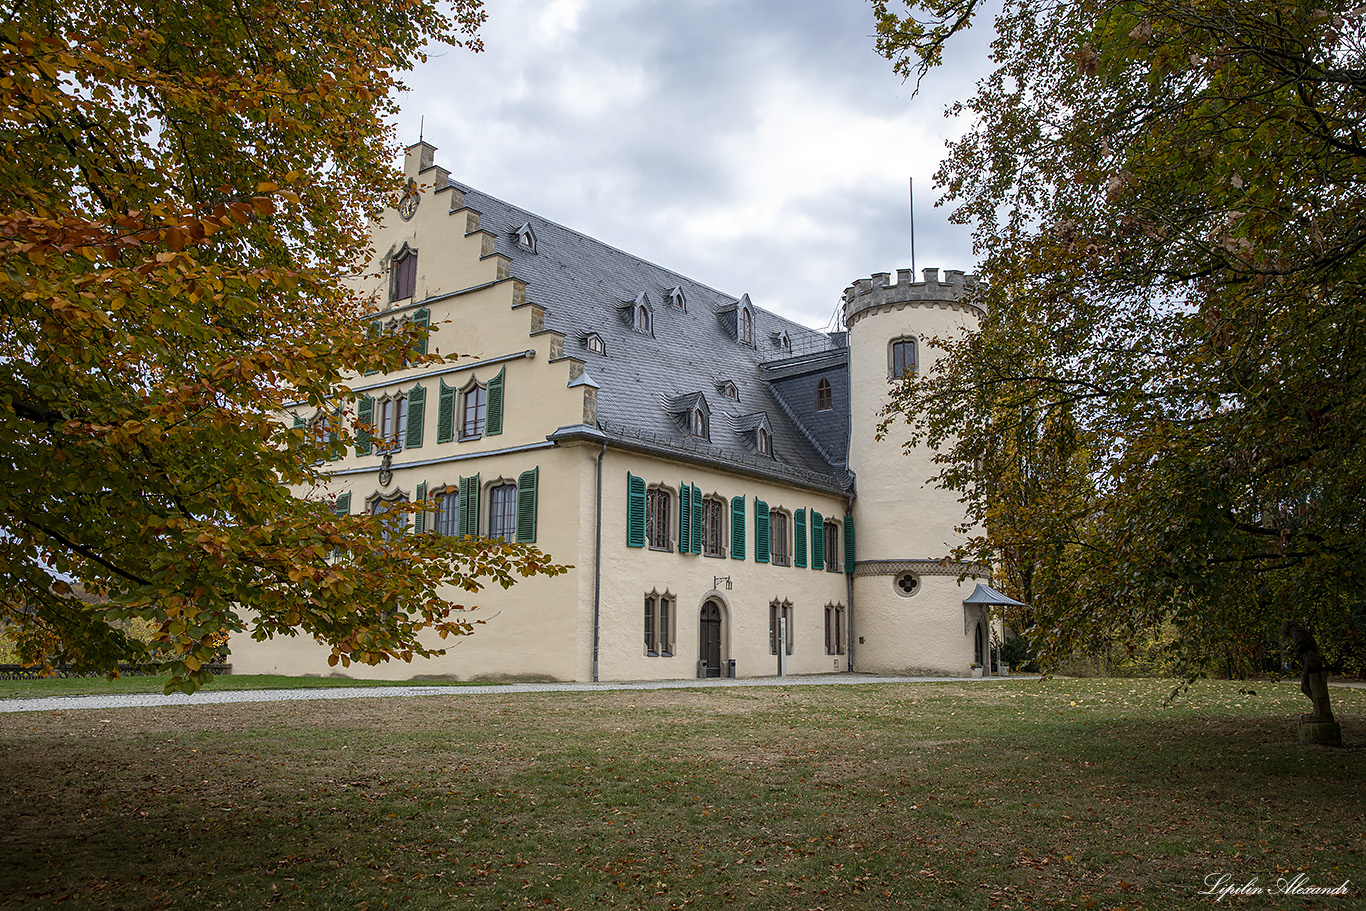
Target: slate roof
(585,285)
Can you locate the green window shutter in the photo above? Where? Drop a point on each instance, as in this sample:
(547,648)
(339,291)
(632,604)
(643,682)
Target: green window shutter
(737,528)
(684,518)
(817,540)
(635,511)
(298,422)
(445,413)
(420,517)
(526,506)
(417,412)
(848,543)
(365,413)
(467,519)
(799,532)
(493,420)
(696,519)
(343,505)
(760,531)
(375,331)
(422,318)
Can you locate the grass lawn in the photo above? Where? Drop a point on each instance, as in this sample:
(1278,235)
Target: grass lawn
(100,686)
(1001,794)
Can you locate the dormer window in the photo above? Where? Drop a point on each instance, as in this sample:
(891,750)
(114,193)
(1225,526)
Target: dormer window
(642,319)
(595,344)
(699,424)
(676,298)
(728,390)
(783,341)
(746,326)
(526,238)
(762,442)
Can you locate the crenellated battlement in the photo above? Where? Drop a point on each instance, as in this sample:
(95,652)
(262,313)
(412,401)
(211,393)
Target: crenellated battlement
(880,291)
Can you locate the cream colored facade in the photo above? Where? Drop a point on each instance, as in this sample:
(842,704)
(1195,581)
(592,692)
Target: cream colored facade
(623,384)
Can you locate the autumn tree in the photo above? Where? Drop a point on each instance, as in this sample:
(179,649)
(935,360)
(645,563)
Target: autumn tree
(183,187)
(1168,201)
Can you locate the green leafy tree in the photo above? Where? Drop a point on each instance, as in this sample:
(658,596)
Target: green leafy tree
(1168,200)
(182,190)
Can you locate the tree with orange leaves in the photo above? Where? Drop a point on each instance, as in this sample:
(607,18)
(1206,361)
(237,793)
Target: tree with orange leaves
(182,189)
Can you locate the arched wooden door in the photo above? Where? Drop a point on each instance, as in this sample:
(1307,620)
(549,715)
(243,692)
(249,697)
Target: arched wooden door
(709,637)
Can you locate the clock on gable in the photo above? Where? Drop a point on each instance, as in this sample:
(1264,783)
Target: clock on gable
(407,206)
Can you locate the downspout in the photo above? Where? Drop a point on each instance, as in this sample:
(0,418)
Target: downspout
(597,568)
(849,590)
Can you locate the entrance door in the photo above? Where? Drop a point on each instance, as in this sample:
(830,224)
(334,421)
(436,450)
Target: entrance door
(709,635)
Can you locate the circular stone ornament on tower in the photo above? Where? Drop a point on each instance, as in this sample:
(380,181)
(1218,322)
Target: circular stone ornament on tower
(906,584)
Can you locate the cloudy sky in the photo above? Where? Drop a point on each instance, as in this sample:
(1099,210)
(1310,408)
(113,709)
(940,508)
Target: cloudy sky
(757,146)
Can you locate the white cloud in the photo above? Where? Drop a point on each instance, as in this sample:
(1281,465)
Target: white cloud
(754,145)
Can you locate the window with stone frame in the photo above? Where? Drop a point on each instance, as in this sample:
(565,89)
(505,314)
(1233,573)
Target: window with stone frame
(714,512)
(780,553)
(657,525)
(902,358)
(394,525)
(503,511)
(659,625)
(403,275)
(474,403)
(391,420)
(447,511)
(832,546)
(780,611)
(834,629)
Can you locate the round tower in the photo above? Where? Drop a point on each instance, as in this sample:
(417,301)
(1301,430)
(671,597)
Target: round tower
(908,611)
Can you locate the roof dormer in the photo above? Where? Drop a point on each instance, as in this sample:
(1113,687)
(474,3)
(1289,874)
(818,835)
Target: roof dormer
(676,298)
(728,390)
(692,413)
(526,237)
(756,430)
(638,314)
(782,341)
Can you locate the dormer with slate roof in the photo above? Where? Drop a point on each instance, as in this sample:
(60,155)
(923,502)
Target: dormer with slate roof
(676,298)
(692,414)
(525,237)
(728,390)
(755,430)
(638,314)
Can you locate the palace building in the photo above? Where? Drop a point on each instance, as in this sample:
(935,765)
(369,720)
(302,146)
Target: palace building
(709,468)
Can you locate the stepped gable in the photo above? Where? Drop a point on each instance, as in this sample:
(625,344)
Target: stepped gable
(583,284)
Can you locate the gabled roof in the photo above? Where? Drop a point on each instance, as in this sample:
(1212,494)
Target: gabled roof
(583,282)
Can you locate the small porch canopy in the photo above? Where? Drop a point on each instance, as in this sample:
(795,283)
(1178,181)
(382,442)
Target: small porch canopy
(975,609)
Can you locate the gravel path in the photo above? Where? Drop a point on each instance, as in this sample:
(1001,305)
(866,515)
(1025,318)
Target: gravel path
(220,697)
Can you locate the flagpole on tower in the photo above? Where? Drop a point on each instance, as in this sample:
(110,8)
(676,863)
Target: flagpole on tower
(911,181)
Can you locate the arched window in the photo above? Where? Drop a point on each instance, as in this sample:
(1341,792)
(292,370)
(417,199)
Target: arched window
(403,275)
(395,525)
(825,396)
(902,358)
(643,319)
(503,511)
(392,422)
(762,442)
(447,511)
(778,551)
(746,326)
(699,424)
(473,412)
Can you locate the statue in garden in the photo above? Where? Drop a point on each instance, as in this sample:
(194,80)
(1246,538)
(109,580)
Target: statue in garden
(1319,726)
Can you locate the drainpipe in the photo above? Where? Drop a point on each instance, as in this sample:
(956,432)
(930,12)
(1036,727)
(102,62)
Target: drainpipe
(849,591)
(597,568)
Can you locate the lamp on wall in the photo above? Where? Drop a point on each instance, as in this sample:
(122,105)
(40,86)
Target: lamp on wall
(717,580)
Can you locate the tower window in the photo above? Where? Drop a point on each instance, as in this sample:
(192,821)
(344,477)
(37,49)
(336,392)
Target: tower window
(903,358)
